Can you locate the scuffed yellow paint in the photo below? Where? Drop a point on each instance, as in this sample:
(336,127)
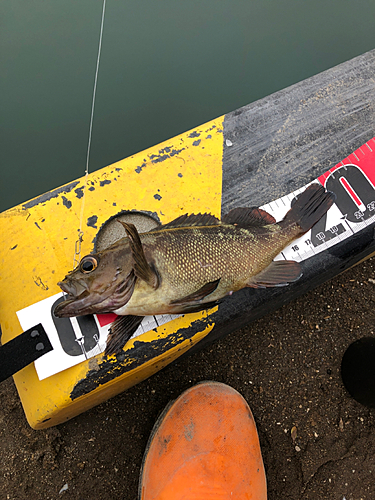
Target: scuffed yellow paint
(37,242)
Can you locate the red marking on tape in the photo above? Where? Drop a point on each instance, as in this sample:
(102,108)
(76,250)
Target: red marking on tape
(106,319)
(351,192)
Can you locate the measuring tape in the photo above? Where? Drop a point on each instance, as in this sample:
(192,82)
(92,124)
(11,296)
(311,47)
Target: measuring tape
(353,182)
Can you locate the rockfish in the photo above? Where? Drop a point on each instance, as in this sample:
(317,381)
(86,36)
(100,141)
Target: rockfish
(188,264)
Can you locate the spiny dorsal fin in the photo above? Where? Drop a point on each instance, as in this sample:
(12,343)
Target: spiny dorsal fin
(120,332)
(247,217)
(278,273)
(187,220)
(142,268)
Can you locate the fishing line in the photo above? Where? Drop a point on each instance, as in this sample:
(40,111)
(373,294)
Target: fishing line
(78,243)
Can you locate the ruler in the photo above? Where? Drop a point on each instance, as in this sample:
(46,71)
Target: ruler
(353,182)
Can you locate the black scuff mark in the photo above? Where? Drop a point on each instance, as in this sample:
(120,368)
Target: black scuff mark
(118,169)
(37,225)
(67,203)
(15,246)
(176,151)
(51,194)
(91,188)
(114,204)
(163,157)
(158,158)
(103,183)
(91,221)
(211,128)
(38,281)
(179,174)
(209,136)
(140,167)
(157,197)
(79,192)
(194,134)
(141,353)
(196,143)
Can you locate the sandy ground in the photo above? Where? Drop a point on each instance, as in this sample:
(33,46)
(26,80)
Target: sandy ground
(286,365)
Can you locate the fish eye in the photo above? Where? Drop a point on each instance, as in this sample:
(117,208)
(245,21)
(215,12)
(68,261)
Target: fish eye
(88,264)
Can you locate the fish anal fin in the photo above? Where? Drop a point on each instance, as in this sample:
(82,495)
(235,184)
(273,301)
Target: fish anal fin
(120,332)
(278,273)
(142,269)
(197,296)
(187,220)
(192,308)
(248,217)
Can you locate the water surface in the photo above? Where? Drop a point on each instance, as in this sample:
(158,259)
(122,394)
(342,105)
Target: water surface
(166,66)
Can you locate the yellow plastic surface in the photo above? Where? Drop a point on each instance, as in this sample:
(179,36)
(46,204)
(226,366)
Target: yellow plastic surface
(178,176)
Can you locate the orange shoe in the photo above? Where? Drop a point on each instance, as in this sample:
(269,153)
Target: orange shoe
(204,446)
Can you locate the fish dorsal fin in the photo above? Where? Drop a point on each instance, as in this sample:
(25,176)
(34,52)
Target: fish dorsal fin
(248,217)
(142,268)
(187,220)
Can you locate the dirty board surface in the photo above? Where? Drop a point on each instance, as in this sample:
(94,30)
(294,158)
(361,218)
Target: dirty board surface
(286,365)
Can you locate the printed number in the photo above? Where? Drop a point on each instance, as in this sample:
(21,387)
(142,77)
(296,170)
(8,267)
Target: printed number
(69,342)
(362,187)
(295,248)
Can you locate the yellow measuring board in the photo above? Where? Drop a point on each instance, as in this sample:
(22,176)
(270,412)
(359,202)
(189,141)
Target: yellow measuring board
(182,175)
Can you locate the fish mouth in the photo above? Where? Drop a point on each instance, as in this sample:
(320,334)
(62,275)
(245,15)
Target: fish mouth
(81,301)
(74,303)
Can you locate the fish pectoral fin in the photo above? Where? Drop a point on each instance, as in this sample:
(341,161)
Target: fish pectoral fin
(142,269)
(248,217)
(120,332)
(278,273)
(196,297)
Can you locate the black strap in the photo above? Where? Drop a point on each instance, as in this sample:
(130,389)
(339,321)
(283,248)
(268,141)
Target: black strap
(23,350)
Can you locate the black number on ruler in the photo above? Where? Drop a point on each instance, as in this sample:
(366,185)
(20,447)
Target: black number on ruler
(319,233)
(68,339)
(354,180)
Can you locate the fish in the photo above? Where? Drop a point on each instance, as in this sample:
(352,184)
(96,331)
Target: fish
(189,264)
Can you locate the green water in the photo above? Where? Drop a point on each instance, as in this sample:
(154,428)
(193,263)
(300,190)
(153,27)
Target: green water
(166,67)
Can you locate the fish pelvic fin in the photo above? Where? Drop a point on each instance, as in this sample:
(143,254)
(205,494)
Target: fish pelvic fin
(120,332)
(278,273)
(248,217)
(142,269)
(196,297)
(309,207)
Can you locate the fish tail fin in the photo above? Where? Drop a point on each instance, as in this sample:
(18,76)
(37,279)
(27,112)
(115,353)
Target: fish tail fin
(309,207)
